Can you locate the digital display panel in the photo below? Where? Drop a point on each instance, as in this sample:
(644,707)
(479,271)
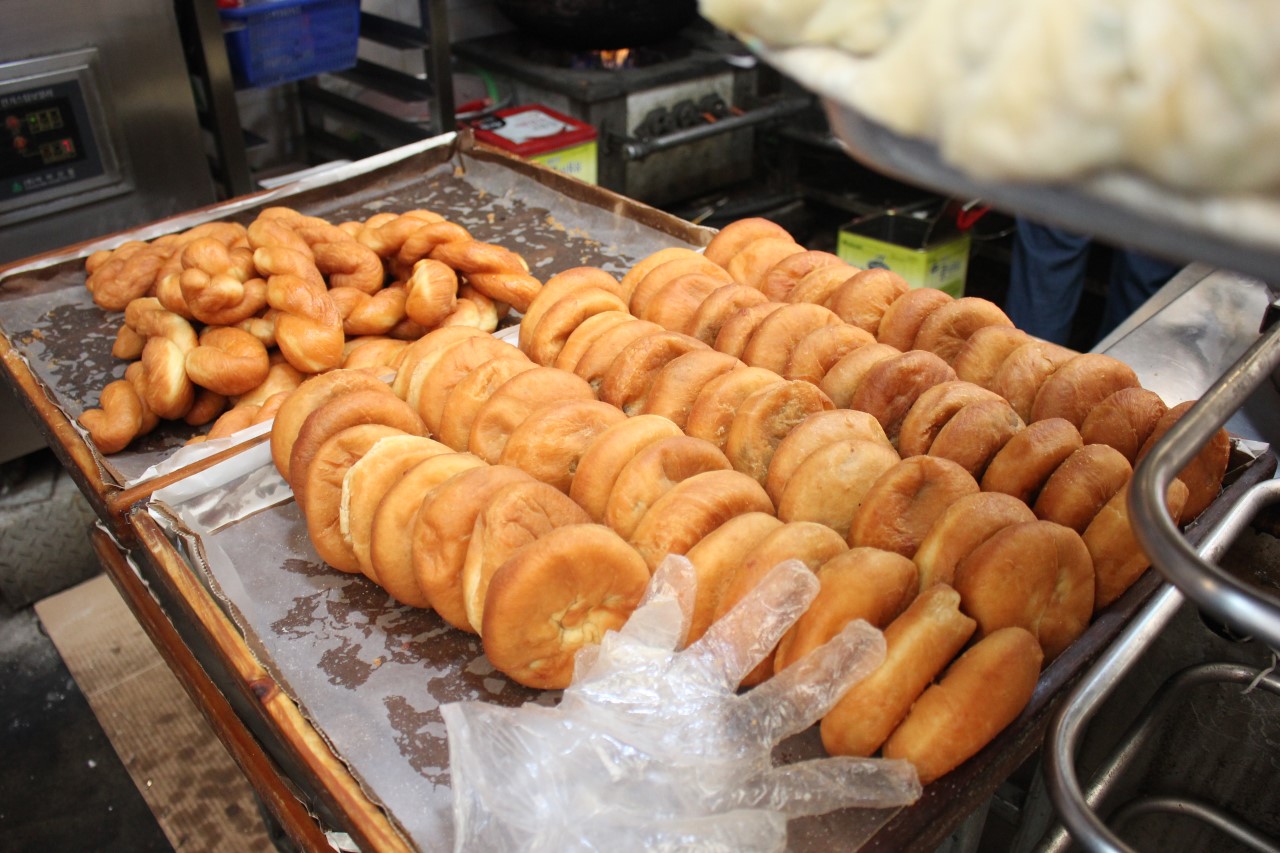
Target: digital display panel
(39,133)
(43,121)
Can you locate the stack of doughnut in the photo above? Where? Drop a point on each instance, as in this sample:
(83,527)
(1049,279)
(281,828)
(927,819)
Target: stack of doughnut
(222,319)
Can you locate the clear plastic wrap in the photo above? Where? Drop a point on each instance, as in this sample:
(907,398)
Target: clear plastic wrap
(651,746)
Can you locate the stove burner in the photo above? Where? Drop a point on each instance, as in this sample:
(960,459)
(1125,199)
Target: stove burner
(622,59)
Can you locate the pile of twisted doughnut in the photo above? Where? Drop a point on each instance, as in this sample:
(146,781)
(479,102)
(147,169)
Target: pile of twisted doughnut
(949,479)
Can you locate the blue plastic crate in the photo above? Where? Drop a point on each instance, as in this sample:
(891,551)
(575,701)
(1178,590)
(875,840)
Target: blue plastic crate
(276,42)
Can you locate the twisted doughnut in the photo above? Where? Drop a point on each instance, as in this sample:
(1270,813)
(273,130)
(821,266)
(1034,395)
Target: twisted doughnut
(228,361)
(365,314)
(219,285)
(309,325)
(346,261)
(496,272)
(432,289)
(118,420)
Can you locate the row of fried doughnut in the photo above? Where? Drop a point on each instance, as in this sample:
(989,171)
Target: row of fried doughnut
(286,281)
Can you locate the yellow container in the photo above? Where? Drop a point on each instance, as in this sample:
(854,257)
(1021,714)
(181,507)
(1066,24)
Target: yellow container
(920,250)
(544,136)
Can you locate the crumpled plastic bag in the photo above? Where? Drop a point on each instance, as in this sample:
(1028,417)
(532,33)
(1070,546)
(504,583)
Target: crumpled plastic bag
(651,747)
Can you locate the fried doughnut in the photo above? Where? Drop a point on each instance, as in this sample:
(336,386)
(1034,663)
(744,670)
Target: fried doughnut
(1078,489)
(555,596)
(963,526)
(830,483)
(168,390)
(976,433)
(631,280)
(841,381)
(322,498)
(428,347)
(811,544)
(228,361)
(931,411)
(737,330)
(945,331)
(207,406)
(1029,458)
(716,404)
(1025,371)
(652,472)
(863,299)
(608,454)
(308,397)
(516,399)
(520,514)
(765,418)
(626,382)
(985,350)
(813,433)
(118,420)
(281,376)
(919,644)
(735,236)
(564,316)
(390,539)
(902,319)
(367,482)
(557,287)
(814,354)
(441,534)
(470,393)
(773,341)
(549,443)
(890,387)
(581,338)
(372,351)
(435,379)
(676,385)
(663,274)
(981,693)
(818,286)
(721,304)
(750,265)
(605,348)
(693,508)
(781,278)
(1076,388)
(676,304)
(859,583)
(904,502)
(1203,474)
(1118,559)
(717,556)
(1124,420)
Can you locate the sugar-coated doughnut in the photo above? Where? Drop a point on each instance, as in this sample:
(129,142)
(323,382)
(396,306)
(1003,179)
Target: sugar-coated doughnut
(549,443)
(764,419)
(645,265)
(946,330)
(814,354)
(975,434)
(732,238)
(605,348)
(737,330)
(773,341)
(470,393)
(890,387)
(305,399)
(693,508)
(984,352)
(931,411)
(608,453)
(1023,373)
(716,404)
(814,432)
(556,595)
(455,364)
(721,304)
(842,379)
(676,385)
(652,472)
(860,583)
(1028,459)
(1037,575)
(919,644)
(555,288)
(717,556)
(830,484)
(663,274)
(519,514)
(562,318)
(753,262)
(390,542)
(1203,474)
(904,316)
(782,277)
(626,382)
(979,695)
(1076,388)
(863,299)
(904,502)
(676,305)
(516,399)
(1078,489)
(963,526)
(427,345)
(1118,559)
(1124,420)
(818,286)
(581,338)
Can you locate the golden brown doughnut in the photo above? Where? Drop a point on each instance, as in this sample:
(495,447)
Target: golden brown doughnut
(750,265)
(818,286)
(207,406)
(764,419)
(717,556)
(904,316)
(721,304)
(816,352)
(904,502)
(860,583)
(472,392)
(626,382)
(945,331)
(283,377)
(663,274)
(390,539)
(931,411)
(981,693)
(676,304)
(693,508)
(735,236)
(985,350)
(652,472)
(863,299)
(737,330)
(811,434)
(1076,388)
(636,274)
(963,526)
(1118,559)
(1203,474)
(118,420)
(556,595)
(842,379)
(520,514)
(168,391)
(561,319)
(608,453)
(830,483)
(372,351)
(976,433)
(676,385)
(1078,489)
(1028,459)
(419,356)
(1025,371)
(581,338)
(890,387)
(441,533)
(516,399)
(435,380)
(782,277)
(549,443)
(228,361)
(597,358)
(773,341)
(919,644)
(557,287)
(1124,420)
(716,404)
